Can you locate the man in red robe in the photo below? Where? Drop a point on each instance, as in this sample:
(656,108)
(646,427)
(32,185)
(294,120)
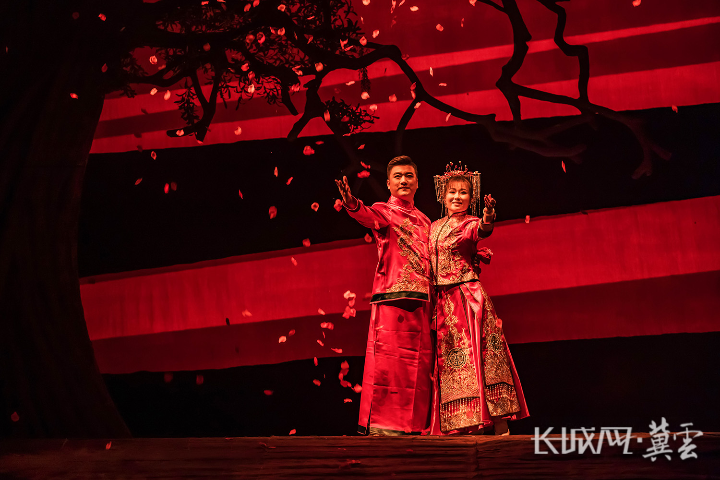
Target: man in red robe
(397,385)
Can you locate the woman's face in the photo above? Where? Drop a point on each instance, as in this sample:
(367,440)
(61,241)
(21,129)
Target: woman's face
(457,198)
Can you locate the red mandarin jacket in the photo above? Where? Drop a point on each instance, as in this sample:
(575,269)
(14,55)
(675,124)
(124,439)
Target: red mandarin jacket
(401,235)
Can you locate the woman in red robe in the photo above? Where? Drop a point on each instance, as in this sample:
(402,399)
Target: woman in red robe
(476,384)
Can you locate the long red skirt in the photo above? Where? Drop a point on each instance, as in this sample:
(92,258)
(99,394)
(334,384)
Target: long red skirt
(397,384)
(474,371)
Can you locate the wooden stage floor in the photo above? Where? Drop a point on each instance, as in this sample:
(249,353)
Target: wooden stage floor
(480,457)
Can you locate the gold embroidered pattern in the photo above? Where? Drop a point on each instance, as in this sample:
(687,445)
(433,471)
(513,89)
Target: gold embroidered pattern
(413,276)
(446,261)
(499,386)
(458,379)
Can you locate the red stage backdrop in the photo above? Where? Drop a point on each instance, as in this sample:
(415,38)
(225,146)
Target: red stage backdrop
(661,53)
(644,270)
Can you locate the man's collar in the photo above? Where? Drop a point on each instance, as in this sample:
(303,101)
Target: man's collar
(400,202)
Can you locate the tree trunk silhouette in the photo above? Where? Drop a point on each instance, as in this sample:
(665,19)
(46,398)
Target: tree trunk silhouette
(50,383)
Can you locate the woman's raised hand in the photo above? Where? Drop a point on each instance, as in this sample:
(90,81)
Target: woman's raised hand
(347,196)
(489,204)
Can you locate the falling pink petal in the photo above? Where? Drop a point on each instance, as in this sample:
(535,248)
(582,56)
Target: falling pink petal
(462,22)
(281,31)
(563,166)
(173,186)
(282,339)
(153,91)
(527,218)
(413,86)
(348,400)
(167,378)
(108,445)
(268,392)
(417,105)
(368,238)
(199,379)
(306,242)
(372,108)
(328,325)
(375,33)
(351,82)
(393,98)
(180,133)
(73,95)
(319,142)
(431,71)
(272,211)
(363,174)
(345,365)
(321,311)
(414,8)
(364,95)
(348,295)
(240,193)
(439,27)
(345,384)
(289,180)
(363,41)
(315,206)
(338,204)
(102,17)
(323,334)
(281,7)
(636,3)
(153,59)
(292,432)
(167,188)
(275,172)
(15,417)
(319,66)
(326,116)
(366,2)
(320,342)
(308,150)
(293,261)
(472,2)
(291,333)
(137,182)
(104,68)
(357,388)
(246,313)
(674,108)
(238,131)
(498,323)
(167,95)
(349,312)
(315,361)
(316,382)
(447,117)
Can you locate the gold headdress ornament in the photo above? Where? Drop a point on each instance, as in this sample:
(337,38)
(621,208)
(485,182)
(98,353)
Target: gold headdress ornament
(453,171)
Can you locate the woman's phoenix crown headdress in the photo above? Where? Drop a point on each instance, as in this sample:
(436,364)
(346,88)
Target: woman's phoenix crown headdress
(451,170)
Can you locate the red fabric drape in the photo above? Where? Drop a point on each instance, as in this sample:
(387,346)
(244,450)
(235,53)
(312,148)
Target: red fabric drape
(643,270)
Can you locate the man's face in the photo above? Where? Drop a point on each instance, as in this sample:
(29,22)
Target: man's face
(403,182)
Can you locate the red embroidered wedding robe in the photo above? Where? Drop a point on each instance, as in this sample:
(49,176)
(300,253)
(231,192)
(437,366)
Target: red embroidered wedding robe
(474,371)
(398,361)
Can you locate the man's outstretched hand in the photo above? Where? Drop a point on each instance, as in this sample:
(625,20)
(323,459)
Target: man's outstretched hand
(347,197)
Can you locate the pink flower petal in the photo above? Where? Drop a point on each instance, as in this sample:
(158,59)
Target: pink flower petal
(102,17)
(345,384)
(104,68)
(268,392)
(414,8)
(282,339)
(472,2)
(153,59)
(321,311)
(351,82)
(527,218)
(674,108)
(281,7)
(306,242)
(366,2)
(375,33)
(315,361)
(439,27)
(320,342)
(153,91)
(368,238)
(272,211)
(338,205)
(289,180)
(137,182)
(275,172)
(167,188)
(246,313)
(357,388)
(73,95)
(563,166)
(431,71)
(636,3)
(319,66)
(293,261)
(348,295)
(363,174)
(372,108)
(108,445)
(316,382)
(348,400)
(328,325)
(447,117)
(442,84)
(326,116)
(173,186)
(364,95)
(240,193)
(167,95)
(292,432)
(308,150)
(363,41)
